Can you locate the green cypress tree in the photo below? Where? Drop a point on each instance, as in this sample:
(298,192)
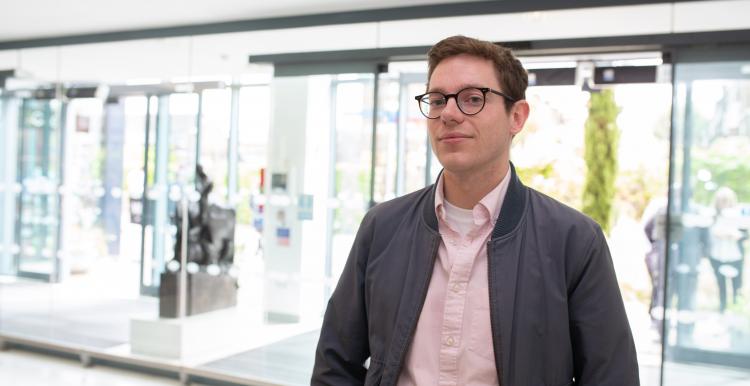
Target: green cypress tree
(602,138)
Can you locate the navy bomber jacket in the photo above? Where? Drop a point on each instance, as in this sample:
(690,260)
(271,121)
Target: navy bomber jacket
(556,311)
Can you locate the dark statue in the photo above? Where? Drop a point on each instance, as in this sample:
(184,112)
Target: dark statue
(210,242)
(210,228)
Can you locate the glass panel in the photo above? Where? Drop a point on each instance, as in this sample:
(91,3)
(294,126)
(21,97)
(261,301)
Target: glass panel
(416,142)
(402,151)
(39,158)
(215,114)
(548,154)
(708,318)
(304,187)
(386,152)
(171,170)
(8,126)
(352,163)
(254,130)
(181,137)
(85,238)
(132,117)
(104,170)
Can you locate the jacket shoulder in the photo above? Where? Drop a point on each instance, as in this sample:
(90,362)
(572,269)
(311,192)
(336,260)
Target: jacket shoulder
(384,219)
(560,216)
(401,205)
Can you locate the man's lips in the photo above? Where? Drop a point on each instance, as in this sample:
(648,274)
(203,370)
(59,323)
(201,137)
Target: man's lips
(453,137)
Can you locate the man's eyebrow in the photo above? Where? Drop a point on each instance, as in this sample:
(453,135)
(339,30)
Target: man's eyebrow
(459,88)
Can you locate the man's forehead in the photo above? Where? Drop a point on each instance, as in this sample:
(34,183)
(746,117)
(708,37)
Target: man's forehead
(455,87)
(458,72)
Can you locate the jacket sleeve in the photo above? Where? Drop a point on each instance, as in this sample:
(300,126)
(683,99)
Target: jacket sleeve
(603,349)
(343,345)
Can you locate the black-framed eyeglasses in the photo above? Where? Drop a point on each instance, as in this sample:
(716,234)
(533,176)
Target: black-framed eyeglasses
(470,101)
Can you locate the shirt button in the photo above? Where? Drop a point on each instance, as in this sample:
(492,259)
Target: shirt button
(456,287)
(450,341)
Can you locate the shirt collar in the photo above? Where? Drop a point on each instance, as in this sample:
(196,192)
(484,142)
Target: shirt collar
(489,205)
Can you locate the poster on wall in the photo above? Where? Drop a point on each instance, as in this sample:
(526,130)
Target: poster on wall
(282,236)
(282,230)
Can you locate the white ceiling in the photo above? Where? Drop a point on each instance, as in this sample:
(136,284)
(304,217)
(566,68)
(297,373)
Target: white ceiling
(225,55)
(26,19)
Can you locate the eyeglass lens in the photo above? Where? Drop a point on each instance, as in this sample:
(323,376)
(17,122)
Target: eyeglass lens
(470,101)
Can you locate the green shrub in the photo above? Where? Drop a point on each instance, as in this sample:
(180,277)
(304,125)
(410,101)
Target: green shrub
(600,153)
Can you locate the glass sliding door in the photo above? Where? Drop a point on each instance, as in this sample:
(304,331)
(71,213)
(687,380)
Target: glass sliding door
(385,172)
(213,153)
(135,118)
(169,164)
(37,228)
(252,159)
(707,298)
(316,187)
(8,185)
(420,166)
(89,205)
(351,144)
(402,152)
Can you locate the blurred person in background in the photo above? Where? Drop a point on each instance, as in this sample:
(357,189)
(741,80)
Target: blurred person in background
(655,228)
(725,245)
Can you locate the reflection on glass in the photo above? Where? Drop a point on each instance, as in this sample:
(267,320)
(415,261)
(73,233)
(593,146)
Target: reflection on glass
(353,139)
(402,151)
(254,125)
(172,153)
(548,155)
(386,151)
(7,199)
(181,128)
(215,114)
(39,157)
(86,238)
(416,150)
(133,120)
(708,318)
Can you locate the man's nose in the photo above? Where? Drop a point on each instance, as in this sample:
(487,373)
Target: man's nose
(451,110)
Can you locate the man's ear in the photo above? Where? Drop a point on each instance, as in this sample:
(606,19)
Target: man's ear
(517,117)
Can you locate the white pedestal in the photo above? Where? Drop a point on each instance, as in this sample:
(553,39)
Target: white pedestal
(199,335)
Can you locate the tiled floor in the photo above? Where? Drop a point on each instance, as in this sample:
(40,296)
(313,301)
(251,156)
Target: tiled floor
(24,368)
(287,362)
(702,375)
(72,314)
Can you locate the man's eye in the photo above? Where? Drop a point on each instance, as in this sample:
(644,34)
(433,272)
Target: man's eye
(473,99)
(437,102)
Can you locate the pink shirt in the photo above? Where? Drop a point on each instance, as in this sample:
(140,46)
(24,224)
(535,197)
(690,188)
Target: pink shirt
(453,341)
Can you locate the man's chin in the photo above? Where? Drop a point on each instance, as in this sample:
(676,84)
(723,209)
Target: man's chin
(456,167)
(463,166)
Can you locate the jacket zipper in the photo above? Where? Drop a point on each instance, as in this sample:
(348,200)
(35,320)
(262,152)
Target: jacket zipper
(413,327)
(498,355)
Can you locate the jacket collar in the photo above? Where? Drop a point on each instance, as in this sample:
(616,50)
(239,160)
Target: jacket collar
(510,213)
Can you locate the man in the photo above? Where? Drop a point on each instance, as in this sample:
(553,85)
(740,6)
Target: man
(476,280)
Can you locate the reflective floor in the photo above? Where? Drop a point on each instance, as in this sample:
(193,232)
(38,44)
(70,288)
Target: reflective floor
(24,368)
(71,315)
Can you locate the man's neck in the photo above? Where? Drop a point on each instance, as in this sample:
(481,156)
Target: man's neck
(464,190)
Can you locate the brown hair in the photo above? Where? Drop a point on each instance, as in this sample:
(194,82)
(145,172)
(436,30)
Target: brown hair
(511,74)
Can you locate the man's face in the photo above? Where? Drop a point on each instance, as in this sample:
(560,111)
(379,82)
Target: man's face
(471,144)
